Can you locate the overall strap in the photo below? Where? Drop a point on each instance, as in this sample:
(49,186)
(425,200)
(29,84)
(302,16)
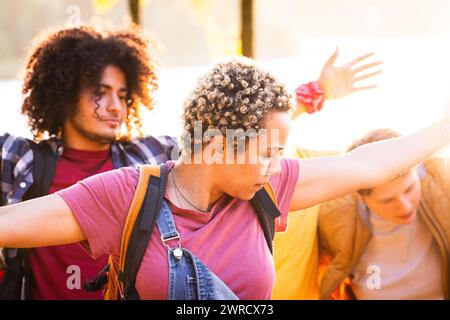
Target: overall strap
(166,224)
(202,284)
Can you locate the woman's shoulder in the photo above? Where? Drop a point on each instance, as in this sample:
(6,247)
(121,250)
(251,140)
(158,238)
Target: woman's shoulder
(289,171)
(284,182)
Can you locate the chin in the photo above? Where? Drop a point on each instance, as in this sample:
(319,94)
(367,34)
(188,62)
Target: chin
(109,135)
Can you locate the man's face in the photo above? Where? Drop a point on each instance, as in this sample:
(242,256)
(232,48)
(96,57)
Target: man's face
(396,200)
(100,111)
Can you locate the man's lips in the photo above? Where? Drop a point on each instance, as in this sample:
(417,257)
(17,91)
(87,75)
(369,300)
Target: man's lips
(111,121)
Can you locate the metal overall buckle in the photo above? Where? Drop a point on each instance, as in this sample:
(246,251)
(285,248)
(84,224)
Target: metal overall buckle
(177,252)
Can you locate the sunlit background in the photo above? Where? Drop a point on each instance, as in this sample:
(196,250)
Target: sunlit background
(292,38)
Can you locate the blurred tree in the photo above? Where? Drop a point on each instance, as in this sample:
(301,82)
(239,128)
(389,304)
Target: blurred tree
(220,38)
(104,5)
(134,6)
(135,11)
(247,28)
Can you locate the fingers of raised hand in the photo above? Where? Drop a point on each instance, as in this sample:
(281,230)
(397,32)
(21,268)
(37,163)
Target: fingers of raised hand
(366,66)
(361,58)
(366,76)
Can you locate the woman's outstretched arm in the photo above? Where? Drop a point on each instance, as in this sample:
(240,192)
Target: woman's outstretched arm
(44,221)
(323,179)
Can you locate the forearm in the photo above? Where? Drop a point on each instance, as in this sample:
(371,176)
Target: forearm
(386,159)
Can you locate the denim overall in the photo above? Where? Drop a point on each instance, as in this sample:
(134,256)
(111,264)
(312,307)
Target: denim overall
(189,278)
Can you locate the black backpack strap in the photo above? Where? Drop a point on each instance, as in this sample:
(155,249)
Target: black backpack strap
(98,282)
(11,286)
(44,164)
(267,212)
(142,231)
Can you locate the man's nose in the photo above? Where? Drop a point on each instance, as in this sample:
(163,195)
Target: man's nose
(115,104)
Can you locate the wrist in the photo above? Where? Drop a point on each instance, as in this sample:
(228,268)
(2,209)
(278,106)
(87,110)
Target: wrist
(299,109)
(310,96)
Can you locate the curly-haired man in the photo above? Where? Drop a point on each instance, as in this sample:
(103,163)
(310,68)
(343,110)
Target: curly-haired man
(82,90)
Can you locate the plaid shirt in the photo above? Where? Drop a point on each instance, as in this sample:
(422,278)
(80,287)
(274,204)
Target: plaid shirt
(17,159)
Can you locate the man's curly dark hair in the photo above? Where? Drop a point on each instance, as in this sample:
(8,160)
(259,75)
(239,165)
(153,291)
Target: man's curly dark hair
(66,61)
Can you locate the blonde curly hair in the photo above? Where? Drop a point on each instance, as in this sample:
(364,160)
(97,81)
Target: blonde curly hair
(235,94)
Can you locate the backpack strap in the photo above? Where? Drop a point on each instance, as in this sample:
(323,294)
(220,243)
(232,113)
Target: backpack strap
(265,204)
(44,165)
(139,225)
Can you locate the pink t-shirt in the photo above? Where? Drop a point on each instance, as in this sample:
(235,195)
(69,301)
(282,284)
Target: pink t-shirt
(228,240)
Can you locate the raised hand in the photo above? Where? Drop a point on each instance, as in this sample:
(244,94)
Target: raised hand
(339,81)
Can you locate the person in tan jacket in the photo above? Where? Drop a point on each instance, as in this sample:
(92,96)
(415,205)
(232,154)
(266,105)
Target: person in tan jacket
(391,241)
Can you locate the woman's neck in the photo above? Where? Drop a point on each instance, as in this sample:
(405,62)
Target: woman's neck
(193,186)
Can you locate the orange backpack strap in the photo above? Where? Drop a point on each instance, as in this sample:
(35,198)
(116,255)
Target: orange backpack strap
(115,286)
(145,172)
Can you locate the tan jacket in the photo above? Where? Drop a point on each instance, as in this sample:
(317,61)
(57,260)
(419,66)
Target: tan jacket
(345,231)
